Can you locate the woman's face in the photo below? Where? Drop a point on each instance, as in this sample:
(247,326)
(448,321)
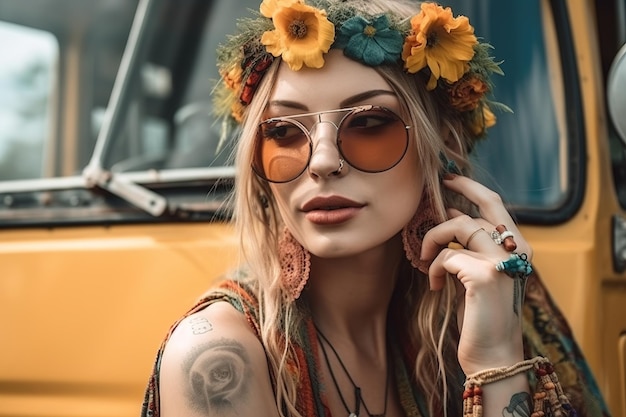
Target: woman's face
(336,215)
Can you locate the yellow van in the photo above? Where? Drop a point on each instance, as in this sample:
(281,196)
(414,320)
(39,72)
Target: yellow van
(113,209)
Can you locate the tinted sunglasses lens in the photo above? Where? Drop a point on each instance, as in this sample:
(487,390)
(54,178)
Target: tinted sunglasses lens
(373,140)
(282,151)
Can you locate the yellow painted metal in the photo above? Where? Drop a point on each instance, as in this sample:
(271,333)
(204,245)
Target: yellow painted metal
(622,371)
(575,258)
(82,311)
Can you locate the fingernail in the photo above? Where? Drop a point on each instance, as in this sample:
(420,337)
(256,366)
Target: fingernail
(449,176)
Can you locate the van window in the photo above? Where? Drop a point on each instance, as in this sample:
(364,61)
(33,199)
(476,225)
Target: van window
(527,156)
(28,64)
(58,62)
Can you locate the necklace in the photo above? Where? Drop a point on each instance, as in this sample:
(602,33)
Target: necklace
(357,390)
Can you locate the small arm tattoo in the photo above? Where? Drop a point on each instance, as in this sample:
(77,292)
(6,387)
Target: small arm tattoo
(520,406)
(217,374)
(200,325)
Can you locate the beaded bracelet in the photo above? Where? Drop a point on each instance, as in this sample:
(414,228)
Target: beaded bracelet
(548,400)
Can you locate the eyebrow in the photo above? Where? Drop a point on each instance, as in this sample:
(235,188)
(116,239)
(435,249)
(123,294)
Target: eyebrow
(344,103)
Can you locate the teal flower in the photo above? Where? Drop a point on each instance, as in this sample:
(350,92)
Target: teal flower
(372,43)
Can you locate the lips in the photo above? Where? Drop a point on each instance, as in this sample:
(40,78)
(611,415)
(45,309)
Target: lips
(330,203)
(330,210)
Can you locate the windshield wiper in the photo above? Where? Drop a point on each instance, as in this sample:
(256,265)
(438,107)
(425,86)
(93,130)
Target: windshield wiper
(138,195)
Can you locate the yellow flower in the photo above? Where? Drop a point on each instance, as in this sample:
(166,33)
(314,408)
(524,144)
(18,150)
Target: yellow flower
(268,7)
(483,121)
(438,40)
(489,117)
(302,34)
(466,93)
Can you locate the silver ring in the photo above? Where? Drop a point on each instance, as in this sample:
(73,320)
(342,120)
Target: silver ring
(498,237)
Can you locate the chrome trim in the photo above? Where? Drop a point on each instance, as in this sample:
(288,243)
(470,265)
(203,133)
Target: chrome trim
(143,177)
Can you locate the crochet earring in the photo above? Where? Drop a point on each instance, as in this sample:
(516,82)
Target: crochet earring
(295,265)
(413,233)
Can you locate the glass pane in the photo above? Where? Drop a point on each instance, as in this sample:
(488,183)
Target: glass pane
(168,121)
(28,62)
(58,62)
(524,155)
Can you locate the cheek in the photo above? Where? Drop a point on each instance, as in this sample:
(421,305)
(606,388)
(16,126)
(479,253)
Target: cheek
(405,183)
(401,199)
(397,194)
(282,194)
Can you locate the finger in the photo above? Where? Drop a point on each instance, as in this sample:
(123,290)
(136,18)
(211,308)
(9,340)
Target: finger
(489,203)
(462,229)
(490,207)
(465,265)
(453,212)
(499,234)
(437,272)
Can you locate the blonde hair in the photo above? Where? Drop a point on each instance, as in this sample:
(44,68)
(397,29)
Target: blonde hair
(428,316)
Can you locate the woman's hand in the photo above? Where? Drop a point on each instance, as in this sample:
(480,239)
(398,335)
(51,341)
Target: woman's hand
(489,301)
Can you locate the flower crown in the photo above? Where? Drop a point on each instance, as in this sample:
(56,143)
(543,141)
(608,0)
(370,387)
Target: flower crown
(433,43)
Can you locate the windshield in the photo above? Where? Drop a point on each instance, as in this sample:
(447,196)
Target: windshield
(164,121)
(525,158)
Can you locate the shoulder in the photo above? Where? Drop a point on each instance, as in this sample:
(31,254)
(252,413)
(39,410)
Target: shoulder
(214,364)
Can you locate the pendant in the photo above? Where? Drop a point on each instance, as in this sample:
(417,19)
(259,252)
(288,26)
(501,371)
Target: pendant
(352,415)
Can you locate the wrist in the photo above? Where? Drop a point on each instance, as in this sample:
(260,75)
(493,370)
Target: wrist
(498,358)
(511,382)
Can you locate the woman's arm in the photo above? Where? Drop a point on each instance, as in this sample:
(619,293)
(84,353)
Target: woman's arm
(214,365)
(489,301)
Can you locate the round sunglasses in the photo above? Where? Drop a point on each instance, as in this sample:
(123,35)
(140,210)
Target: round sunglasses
(369,138)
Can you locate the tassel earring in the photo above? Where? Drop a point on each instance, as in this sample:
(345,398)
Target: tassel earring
(295,265)
(413,233)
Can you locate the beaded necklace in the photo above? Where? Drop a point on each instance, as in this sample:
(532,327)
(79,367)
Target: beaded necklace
(357,390)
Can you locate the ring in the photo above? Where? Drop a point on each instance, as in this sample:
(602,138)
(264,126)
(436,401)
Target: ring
(506,234)
(469,239)
(497,237)
(516,266)
(501,236)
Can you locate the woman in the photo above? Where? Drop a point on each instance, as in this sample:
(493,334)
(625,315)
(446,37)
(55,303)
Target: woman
(378,281)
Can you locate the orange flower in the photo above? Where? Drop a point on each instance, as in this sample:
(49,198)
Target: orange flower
(466,93)
(232,78)
(236,110)
(438,40)
(302,34)
(268,7)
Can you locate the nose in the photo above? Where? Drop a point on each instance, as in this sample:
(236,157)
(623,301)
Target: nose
(325,157)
